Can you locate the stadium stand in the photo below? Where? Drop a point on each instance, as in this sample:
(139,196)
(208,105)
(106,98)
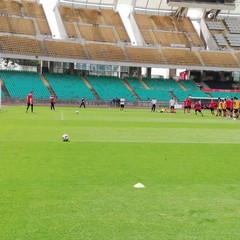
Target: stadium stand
(226,31)
(105,52)
(97,33)
(144,55)
(20,45)
(219,84)
(149,93)
(218,59)
(17,25)
(110,88)
(181,57)
(19,84)
(168,30)
(23,18)
(94,24)
(64,49)
(182,95)
(69,86)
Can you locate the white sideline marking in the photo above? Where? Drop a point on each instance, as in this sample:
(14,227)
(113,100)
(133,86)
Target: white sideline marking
(119,141)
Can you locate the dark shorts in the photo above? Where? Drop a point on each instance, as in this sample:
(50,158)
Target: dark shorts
(122,105)
(185,107)
(189,107)
(172,107)
(229,109)
(198,110)
(220,110)
(235,110)
(212,109)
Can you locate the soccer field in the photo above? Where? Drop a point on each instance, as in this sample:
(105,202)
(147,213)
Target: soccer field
(83,189)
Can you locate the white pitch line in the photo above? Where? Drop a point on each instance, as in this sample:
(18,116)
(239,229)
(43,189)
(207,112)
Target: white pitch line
(118,141)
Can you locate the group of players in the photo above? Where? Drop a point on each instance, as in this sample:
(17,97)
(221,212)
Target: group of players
(225,107)
(52,102)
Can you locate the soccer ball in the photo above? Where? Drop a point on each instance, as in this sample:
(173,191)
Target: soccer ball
(77,112)
(65,137)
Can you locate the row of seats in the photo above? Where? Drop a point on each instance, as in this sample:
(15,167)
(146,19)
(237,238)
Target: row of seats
(110,88)
(226,32)
(19,84)
(111,52)
(69,86)
(73,87)
(167,30)
(90,16)
(23,8)
(93,25)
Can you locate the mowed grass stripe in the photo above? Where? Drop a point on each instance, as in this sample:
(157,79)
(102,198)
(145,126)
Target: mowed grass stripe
(84,189)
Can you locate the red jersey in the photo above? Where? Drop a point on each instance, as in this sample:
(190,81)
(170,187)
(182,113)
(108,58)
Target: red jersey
(185,103)
(52,99)
(228,103)
(212,104)
(189,102)
(29,98)
(197,106)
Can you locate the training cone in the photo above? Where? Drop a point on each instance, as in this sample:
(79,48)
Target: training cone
(139,185)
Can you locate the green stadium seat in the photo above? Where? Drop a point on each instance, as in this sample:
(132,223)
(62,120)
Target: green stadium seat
(19,84)
(69,86)
(109,87)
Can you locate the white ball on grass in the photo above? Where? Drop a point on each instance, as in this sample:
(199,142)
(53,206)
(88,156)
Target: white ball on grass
(77,112)
(65,137)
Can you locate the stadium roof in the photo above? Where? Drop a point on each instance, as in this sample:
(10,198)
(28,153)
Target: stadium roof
(144,5)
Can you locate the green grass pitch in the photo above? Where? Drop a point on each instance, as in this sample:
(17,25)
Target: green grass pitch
(83,189)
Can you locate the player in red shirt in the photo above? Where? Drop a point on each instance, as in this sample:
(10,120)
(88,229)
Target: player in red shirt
(52,102)
(229,106)
(189,104)
(30,101)
(185,103)
(212,106)
(198,107)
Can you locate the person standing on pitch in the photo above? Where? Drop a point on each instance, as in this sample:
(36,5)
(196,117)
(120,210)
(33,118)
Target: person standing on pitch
(154,102)
(30,101)
(52,102)
(83,103)
(122,103)
(172,105)
(198,107)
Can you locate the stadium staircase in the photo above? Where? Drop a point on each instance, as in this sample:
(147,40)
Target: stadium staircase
(144,84)
(4,89)
(91,88)
(131,89)
(182,86)
(48,86)
(199,58)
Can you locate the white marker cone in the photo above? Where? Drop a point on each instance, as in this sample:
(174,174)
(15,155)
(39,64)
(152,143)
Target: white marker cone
(139,185)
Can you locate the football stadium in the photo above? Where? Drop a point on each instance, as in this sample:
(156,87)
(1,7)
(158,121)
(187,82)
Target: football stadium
(119,119)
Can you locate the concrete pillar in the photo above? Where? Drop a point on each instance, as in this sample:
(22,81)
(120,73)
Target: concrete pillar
(148,73)
(203,76)
(221,76)
(139,72)
(71,68)
(51,67)
(44,67)
(172,73)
